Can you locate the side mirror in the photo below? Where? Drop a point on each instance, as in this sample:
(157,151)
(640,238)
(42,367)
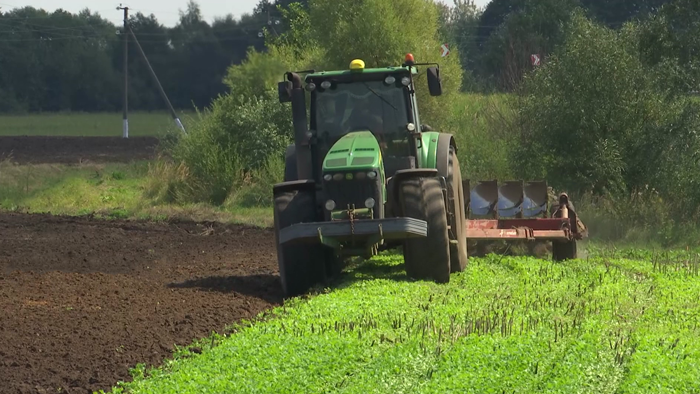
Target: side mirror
(284,90)
(434,82)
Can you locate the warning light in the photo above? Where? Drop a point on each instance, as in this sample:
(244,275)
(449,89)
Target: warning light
(357,64)
(409,60)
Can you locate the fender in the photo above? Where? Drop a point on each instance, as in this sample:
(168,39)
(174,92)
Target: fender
(409,173)
(428,150)
(283,187)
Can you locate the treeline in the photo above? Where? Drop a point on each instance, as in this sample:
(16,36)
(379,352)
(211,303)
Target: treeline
(495,44)
(57,61)
(61,61)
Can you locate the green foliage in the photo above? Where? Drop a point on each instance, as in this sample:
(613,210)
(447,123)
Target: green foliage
(236,135)
(592,119)
(607,325)
(258,73)
(669,40)
(536,27)
(481,128)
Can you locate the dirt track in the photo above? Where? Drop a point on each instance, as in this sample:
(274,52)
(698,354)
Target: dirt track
(73,150)
(83,300)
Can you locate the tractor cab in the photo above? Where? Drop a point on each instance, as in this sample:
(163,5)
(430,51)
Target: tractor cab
(351,105)
(355,102)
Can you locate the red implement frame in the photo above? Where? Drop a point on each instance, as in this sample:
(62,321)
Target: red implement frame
(539,228)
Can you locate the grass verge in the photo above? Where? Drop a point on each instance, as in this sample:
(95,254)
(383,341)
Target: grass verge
(606,325)
(106,191)
(102,124)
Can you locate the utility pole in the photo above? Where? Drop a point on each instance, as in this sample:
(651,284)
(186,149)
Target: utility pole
(125,32)
(160,87)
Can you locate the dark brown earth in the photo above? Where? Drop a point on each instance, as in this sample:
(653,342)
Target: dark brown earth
(75,150)
(84,300)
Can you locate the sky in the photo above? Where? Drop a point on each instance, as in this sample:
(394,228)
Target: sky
(166,11)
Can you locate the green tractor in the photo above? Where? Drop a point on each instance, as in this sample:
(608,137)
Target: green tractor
(365,174)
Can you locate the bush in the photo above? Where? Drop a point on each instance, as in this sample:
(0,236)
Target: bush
(229,142)
(592,119)
(597,122)
(482,131)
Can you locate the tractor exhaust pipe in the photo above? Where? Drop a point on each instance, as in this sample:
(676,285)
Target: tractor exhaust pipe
(301,138)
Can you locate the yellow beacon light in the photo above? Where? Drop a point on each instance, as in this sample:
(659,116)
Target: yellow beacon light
(357,64)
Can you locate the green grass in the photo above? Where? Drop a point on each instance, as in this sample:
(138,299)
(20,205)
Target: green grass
(513,325)
(86,124)
(109,191)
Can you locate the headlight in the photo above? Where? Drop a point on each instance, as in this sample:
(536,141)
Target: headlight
(338,177)
(327,177)
(326,84)
(348,176)
(369,203)
(360,175)
(372,174)
(389,80)
(405,81)
(330,205)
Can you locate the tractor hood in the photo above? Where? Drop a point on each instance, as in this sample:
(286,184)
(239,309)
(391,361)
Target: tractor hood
(356,150)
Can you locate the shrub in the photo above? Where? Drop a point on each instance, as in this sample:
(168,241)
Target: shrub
(593,119)
(235,137)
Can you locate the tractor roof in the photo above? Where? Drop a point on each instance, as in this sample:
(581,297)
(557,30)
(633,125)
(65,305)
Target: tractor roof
(382,70)
(357,66)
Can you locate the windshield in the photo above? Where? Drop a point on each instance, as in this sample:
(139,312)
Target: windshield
(362,105)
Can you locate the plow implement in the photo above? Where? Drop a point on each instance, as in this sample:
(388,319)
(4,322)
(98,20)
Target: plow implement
(519,210)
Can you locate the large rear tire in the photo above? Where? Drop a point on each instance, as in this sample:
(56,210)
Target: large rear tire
(301,266)
(455,191)
(428,257)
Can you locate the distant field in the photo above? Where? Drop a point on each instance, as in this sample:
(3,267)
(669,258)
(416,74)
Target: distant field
(86,124)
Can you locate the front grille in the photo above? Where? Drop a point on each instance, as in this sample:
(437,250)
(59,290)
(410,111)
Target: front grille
(346,192)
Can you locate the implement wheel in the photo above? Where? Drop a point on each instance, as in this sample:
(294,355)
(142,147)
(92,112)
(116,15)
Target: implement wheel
(564,250)
(426,257)
(301,266)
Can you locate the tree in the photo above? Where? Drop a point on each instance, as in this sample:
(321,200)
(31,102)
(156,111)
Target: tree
(671,40)
(594,119)
(458,27)
(535,28)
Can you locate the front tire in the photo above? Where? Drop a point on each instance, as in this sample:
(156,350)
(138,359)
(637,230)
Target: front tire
(428,257)
(301,266)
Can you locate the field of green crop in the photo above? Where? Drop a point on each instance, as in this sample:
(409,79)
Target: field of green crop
(615,323)
(86,124)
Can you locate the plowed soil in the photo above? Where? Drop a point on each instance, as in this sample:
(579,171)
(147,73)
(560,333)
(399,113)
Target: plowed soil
(82,300)
(74,150)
